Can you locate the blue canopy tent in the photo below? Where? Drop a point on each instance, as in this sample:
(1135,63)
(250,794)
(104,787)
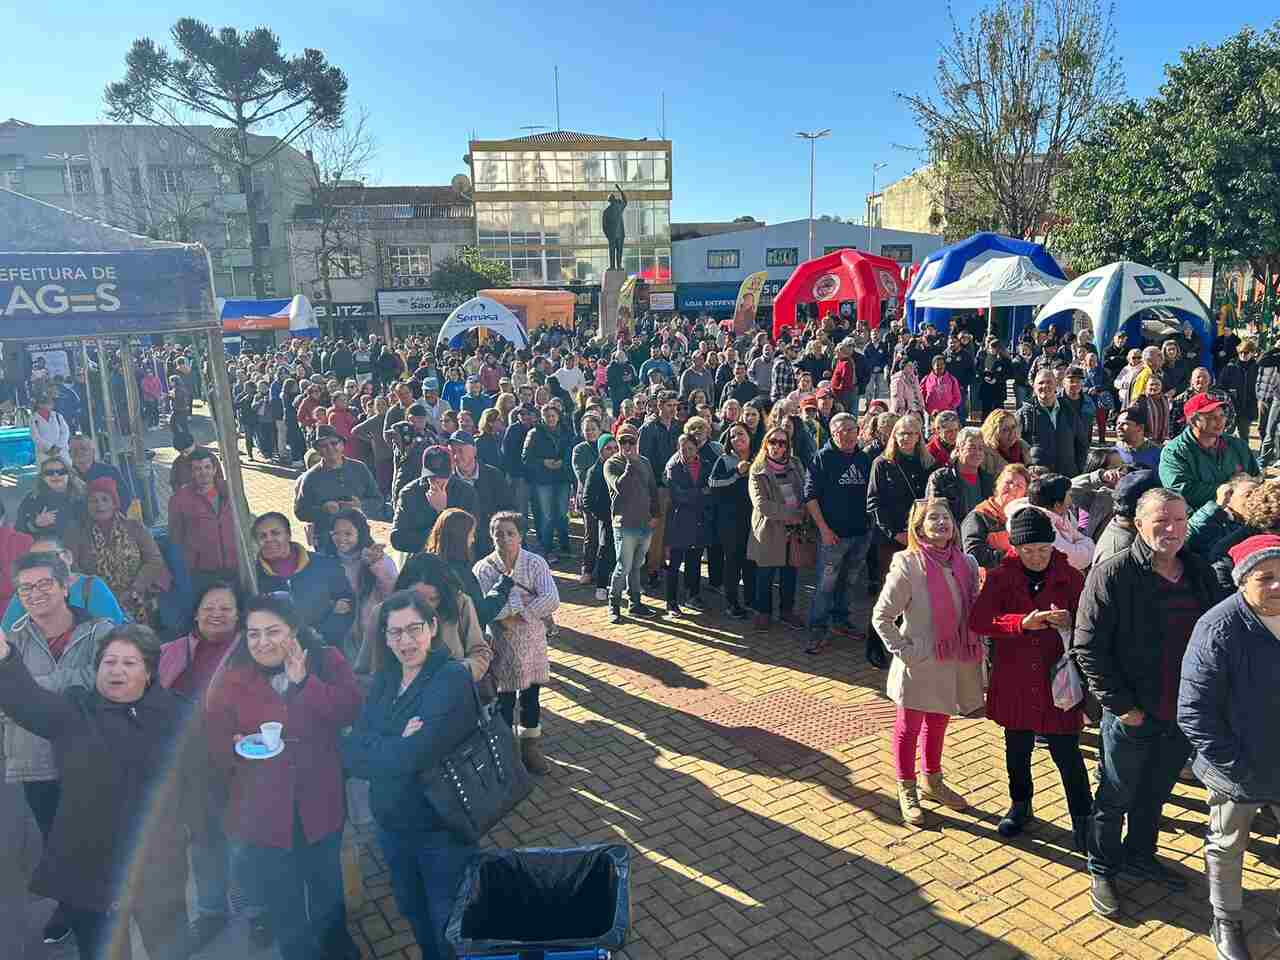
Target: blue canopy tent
(949,264)
(1115,297)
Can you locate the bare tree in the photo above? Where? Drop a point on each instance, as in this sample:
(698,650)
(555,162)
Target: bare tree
(1017,89)
(334,233)
(161,186)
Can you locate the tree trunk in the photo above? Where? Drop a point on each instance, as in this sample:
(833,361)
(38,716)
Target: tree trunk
(251,206)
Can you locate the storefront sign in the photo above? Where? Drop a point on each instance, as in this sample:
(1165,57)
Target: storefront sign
(414,303)
(662,301)
(710,297)
(339,310)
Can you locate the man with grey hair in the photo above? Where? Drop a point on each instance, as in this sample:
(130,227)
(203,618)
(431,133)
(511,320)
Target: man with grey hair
(835,496)
(1130,652)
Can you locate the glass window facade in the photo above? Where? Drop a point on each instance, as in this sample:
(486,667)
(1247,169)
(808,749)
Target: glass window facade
(723,259)
(560,239)
(408,266)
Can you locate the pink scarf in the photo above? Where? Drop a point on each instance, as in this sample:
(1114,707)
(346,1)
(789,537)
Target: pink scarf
(952,638)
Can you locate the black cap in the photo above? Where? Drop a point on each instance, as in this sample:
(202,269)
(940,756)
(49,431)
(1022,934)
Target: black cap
(436,462)
(1129,491)
(324,432)
(417,410)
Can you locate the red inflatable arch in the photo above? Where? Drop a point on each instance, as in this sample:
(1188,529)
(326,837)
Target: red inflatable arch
(843,276)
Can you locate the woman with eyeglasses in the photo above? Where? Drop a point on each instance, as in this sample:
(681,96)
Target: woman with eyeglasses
(90,594)
(55,504)
(285,814)
(775,483)
(421,706)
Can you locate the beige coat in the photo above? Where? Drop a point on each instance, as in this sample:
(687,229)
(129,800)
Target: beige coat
(767,545)
(917,680)
(465,640)
(993,463)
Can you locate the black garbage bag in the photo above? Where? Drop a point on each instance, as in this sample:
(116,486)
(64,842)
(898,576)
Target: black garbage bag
(543,898)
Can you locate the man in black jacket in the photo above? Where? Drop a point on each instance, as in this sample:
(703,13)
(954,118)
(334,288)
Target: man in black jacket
(1053,427)
(1130,649)
(422,501)
(658,438)
(484,487)
(513,456)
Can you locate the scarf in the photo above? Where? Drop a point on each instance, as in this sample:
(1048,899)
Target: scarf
(775,466)
(952,638)
(118,560)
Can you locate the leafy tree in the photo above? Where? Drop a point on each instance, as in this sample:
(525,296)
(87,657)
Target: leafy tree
(241,80)
(467,272)
(1016,90)
(1192,173)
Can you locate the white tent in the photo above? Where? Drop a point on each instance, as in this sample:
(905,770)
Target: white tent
(487,313)
(1113,295)
(1000,282)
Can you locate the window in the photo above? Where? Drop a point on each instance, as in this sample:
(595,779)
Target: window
(167,179)
(237,231)
(409,266)
(897,251)
(106,181)
(345,263)
(781,256)
(262,235)
(269,282)
(81,180)
(135,180)
(723,259)
(839,246)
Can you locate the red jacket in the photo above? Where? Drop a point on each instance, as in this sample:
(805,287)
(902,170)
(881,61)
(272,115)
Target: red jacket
(308,774)
(842,378)
(1019,697)
(941,455)
(208,539)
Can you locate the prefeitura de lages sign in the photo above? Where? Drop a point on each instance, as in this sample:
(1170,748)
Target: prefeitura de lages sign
(45,295)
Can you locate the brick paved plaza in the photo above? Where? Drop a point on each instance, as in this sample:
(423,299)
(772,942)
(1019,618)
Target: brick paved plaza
(754,787)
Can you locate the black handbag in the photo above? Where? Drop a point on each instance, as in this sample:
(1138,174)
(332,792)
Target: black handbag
(480,781)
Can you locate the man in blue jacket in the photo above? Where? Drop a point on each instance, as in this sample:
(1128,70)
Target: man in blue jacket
(1228,706)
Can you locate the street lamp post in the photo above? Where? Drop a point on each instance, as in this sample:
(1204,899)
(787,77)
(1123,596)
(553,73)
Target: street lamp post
(813,139)
(66,159)
(875,168)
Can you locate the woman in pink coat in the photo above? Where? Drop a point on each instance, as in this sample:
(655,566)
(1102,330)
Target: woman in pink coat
(941,390)
(904,390)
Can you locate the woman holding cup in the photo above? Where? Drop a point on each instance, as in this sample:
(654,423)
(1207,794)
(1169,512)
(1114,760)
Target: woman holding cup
(285,813)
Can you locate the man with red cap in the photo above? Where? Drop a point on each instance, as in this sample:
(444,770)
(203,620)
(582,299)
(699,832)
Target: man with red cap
(1228,707)
(1198,460)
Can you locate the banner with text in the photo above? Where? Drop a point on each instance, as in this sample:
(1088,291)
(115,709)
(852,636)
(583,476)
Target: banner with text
(744,310)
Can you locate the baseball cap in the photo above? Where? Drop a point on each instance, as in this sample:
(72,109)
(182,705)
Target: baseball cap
(436,461)
(463,438)
(418,410)
(431,383)
(323,433)
(473,378)
(1201,403)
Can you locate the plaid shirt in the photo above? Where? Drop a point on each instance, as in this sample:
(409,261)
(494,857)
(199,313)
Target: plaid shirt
(784,378)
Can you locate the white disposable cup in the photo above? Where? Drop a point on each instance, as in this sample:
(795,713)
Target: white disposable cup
(271,733)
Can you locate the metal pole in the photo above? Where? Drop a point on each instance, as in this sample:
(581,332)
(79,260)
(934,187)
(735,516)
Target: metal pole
(150,509)
(230,449)
(108,408)
(813,150)
(88,388)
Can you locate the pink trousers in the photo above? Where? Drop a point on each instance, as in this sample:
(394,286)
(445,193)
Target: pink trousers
(906,735)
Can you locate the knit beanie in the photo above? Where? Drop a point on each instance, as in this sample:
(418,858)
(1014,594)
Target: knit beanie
(604,441)
(1247,554)
(1030,525)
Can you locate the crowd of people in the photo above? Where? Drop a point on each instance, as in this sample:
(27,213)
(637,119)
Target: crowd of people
(985,533)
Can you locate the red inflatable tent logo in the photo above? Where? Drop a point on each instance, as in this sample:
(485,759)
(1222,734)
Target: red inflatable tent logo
(843,276)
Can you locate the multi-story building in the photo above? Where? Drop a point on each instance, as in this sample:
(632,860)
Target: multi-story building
(352,247)
(538,201)
(711,263)
(152,181)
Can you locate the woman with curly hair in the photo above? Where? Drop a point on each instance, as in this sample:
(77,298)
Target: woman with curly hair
(1260,511)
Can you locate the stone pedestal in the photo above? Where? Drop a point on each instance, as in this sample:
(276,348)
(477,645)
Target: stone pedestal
(610,286)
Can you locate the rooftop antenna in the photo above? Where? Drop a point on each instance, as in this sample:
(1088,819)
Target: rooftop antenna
(662,115)
(557,84)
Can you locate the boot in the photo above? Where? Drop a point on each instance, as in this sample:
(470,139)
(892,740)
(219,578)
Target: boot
(937,791)
(535,761)
(1080,834)
(1011,823)
(909,803)
(615,613)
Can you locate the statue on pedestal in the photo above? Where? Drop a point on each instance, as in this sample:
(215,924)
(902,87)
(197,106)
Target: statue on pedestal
(614,227)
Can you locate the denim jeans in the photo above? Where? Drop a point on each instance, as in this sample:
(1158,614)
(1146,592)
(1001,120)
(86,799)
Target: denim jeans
(301,889)
(1139,768)
(632,547)
(786,577)
(842,584)
(551,514)
(530,706)
(425,868)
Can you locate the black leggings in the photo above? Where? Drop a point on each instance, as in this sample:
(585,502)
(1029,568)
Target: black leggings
(692,559)
(42,797)
(530,708)
(738,568)
(1065,750)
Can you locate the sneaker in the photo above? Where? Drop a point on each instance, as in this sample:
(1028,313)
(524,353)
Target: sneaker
(57,929)
(817,640)
(738,613)
(695,602)
(673,610)
(1227,934)
(637,608)
(615,614)
(1103,896)
(602,593)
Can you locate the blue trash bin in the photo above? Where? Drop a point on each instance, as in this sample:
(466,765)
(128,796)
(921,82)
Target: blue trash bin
(569,903)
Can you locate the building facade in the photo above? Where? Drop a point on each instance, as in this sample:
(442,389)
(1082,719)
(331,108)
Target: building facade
(352,242)
(539,199)
(151,181)
(710,267)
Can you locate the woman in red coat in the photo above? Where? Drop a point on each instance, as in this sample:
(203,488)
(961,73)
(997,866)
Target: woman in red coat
(285,813)
(1025,602)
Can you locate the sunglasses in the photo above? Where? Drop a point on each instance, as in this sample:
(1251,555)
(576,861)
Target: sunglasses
(626,441)
(55,473)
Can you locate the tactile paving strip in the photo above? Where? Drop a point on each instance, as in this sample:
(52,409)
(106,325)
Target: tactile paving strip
(841,724)
(773,711)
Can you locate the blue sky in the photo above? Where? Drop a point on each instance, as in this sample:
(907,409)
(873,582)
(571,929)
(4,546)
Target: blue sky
(739,78)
